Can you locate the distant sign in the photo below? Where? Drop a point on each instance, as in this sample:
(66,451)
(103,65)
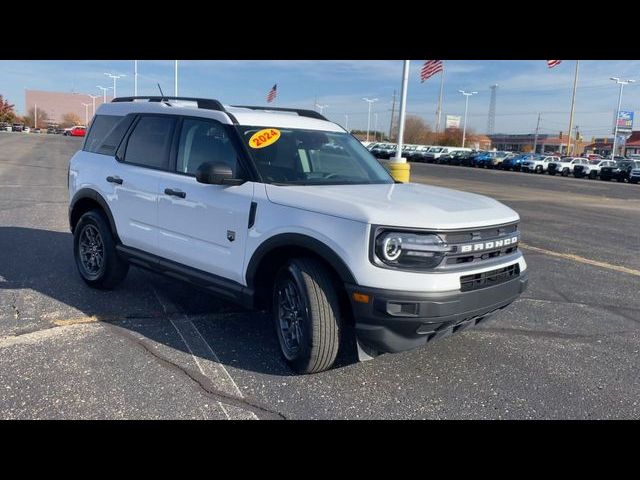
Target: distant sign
(453,121)
(624,121)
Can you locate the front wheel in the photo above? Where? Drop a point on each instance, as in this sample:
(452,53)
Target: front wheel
(565,172)
(306,314)
(95,253)
(538,168)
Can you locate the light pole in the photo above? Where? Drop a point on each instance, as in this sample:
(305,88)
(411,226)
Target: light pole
(622,83)
(104,92)
(321,107)
(175,78)
(35,115)
(93,99)
(466,108)
(375,127)
(346,122)
(86,113)
(370,101)
(115,77)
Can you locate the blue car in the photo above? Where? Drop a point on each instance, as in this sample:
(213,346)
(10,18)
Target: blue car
(484,160)
(515,163)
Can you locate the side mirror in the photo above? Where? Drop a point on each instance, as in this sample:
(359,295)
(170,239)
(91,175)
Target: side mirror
(217,174)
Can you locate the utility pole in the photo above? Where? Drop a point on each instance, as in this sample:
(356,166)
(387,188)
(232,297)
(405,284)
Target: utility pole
(86,113)
(393,112)
(35,115)
(93,99)
(439,109)
(491,121)
(573,104)
(375,127)
(175,78)
(535,139)
(466,108)
(622,83)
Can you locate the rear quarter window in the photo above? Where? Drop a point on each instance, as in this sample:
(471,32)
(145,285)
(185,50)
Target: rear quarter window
(106,133)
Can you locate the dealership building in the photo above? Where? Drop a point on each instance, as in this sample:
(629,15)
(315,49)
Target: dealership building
(57,104)
(524,142)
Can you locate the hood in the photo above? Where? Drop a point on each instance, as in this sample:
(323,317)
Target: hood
(402,205)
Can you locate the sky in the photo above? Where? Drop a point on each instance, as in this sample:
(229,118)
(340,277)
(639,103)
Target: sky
(525,88)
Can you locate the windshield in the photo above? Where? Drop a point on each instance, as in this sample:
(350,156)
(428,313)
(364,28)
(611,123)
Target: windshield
(311,157)
(435,150)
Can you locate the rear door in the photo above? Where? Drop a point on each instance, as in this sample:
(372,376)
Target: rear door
(143,155)
(204,226)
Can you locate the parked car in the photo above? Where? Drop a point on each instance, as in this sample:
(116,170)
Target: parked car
(17,127)
(26,129)
(434,153)
(247,204)
(496,162)
(458,157)
(620,172)
(592,169)
(37,130)
(4,126)
(515,162)
(77,131)
(470,160)
(565,166)
(634,175)
(539,164)
(417,155)
(382,150)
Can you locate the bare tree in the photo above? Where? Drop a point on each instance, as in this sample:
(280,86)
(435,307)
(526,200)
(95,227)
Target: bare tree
(416,130)
(29,120)
(70,120)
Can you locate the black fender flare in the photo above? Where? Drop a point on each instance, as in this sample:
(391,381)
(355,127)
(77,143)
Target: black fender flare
(95,196)
(298,240)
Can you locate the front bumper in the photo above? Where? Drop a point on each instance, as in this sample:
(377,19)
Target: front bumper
(394,321)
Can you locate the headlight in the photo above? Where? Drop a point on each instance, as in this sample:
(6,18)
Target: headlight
(410,250)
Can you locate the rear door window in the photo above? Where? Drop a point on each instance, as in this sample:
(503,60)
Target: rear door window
(101,127)
(149,142)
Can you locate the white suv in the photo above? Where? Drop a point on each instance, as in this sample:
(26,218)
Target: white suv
(283,210)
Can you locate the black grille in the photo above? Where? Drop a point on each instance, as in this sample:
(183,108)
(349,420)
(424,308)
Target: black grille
(489,279)
(578,169)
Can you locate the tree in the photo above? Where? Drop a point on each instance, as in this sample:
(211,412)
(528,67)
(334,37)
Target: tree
(43,118)
(7,113)
(416,131)
(70,120)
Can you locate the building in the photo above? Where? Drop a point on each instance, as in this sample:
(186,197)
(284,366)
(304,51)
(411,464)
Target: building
(524,143)
(600,146)
(632,145)
(57,104)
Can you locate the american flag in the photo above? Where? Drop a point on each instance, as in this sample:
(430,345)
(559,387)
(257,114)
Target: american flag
(271,96)
(430,68)
(553,63)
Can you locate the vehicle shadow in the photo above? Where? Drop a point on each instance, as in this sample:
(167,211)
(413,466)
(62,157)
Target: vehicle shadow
(42,261)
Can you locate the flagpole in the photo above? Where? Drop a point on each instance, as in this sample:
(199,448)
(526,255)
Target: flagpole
(573,103)
(439,111)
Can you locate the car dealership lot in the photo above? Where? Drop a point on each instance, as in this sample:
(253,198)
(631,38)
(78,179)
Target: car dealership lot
(156,348)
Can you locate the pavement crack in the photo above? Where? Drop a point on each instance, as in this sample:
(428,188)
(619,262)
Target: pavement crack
(203,382)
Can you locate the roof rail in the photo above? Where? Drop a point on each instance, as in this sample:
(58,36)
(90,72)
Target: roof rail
(206,103)
(299,111)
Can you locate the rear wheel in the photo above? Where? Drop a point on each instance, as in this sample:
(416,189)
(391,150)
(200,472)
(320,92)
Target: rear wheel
(565,172)
(95,253)
(306,315)
(538,168)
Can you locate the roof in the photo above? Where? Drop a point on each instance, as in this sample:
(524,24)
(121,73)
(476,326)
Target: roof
(251,116)
(634,139)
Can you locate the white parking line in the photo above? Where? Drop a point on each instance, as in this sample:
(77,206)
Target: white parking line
(213,369)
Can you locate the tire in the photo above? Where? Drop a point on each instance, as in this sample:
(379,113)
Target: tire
(565,172)
(551,173)
(538,168)
(317,315)
(633,180)
(593,175)
(111,269)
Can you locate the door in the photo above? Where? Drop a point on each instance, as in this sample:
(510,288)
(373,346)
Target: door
(134,181)
(204,226)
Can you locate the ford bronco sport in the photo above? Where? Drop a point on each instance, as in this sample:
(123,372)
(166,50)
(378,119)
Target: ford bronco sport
(282,210)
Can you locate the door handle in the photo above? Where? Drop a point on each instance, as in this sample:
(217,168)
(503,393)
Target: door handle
(117,180)
(174,193)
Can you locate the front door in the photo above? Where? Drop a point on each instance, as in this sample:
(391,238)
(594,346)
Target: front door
(204,226)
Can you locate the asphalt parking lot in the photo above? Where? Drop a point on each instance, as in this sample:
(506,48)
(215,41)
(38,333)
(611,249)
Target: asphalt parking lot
(155,348)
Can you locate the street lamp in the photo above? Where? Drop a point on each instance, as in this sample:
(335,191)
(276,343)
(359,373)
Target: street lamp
(622,83)
(466,108)
(346,122)
(93,100)
(104,92)
(370,101)
(86,113)
(375,127)
(115,77)
(321,107)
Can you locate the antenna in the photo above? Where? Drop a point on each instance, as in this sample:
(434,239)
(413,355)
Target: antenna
(161,94)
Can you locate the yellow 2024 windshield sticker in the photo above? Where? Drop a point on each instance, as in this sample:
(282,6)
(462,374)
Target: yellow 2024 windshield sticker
(264,138)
